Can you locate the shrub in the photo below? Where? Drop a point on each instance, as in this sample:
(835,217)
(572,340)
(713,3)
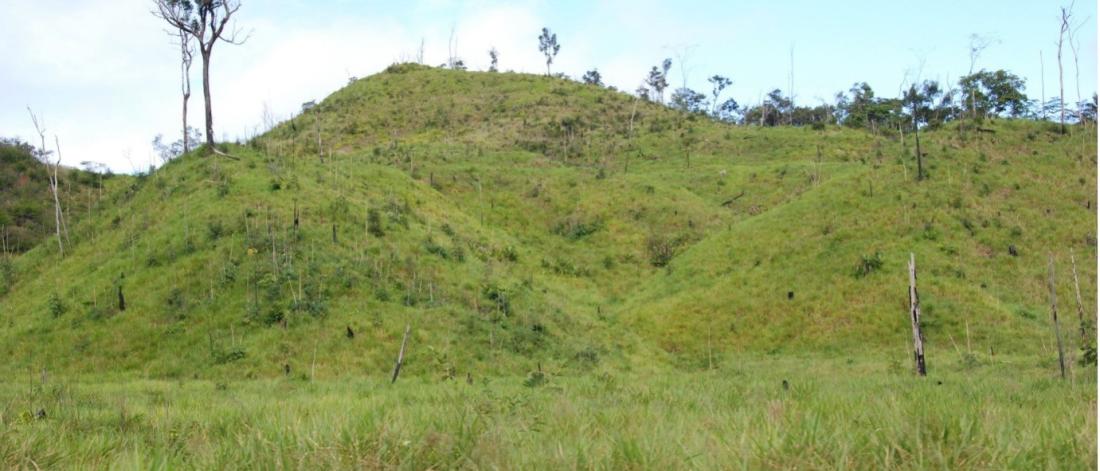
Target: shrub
(868,264)
(215,230)
(374,223)
(55,305)
(435,249)
(574,229)
(507,253)
(499,296)
(228,356)
(175,300)
(535,379)
(661,249)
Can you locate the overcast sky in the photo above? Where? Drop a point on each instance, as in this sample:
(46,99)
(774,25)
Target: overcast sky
(104,75)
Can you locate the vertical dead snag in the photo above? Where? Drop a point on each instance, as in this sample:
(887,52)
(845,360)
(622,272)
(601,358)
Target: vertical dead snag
(1054,318)
(914,317)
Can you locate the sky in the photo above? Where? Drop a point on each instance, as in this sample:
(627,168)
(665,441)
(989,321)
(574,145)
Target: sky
(104,76)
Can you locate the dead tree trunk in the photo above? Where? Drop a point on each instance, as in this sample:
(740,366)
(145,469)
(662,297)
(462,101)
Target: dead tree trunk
(914,318)
(187,54)
(59,211)
(400,355)
(920,158)
(1054,318)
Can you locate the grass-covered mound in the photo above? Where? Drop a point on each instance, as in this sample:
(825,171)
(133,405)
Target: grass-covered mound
(514,220)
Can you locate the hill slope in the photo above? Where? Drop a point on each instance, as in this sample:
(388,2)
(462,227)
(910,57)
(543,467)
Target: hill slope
(516,220)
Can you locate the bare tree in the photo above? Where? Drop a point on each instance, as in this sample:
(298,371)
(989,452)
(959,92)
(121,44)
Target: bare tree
(1074,47)
(44,156)
(205,21)
(1061,83)
(1042,86)
(978,44)
(187,56)
(452,50)
(790,93)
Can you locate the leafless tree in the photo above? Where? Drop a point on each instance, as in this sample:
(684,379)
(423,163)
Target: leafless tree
(205,21)
(790,93)
(1042,86)
(1074,46)
(187,56)
(452,49)
(978,44)
(44,156)
(1066,14)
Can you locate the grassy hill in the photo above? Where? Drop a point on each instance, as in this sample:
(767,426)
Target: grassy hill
(518,222)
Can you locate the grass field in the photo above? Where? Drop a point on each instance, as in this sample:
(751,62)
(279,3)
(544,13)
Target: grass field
(971,412)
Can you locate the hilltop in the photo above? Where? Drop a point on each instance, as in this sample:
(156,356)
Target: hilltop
(517,220)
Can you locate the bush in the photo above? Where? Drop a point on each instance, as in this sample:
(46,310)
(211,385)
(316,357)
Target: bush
(175,300)
(507,254)
(215,230)
(228,356)
(661,250)
(499,296)
(574,229)
(374,223)
(55,305)
(435,249)
(868,264)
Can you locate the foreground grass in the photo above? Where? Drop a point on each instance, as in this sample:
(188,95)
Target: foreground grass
(836,414)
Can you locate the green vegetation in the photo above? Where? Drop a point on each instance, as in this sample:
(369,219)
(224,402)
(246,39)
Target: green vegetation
(26,205)
(572,249)
(838,414)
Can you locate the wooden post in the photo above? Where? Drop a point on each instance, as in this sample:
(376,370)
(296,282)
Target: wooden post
(1054,317)
(914,317)
(400,355)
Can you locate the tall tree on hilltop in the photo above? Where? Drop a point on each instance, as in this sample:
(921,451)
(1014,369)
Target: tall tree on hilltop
(593,77)
(549,47)
(921,98)
(187,55)
(994,93)
(718,83)
(494,58)
(205,21)
(657,80)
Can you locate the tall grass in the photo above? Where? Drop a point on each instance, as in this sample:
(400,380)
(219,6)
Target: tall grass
(834,414)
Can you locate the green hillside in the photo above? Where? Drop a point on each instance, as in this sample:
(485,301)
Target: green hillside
(516,221)
(26,204)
